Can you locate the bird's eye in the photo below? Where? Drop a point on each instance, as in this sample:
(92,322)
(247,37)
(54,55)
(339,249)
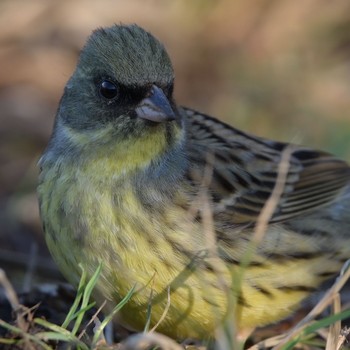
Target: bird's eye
(108,89)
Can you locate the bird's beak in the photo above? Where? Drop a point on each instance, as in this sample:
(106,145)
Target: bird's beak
(155,107)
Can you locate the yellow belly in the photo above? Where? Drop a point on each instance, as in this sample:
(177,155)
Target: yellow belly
(167,258)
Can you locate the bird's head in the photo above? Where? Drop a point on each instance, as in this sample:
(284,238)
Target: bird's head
(120,94)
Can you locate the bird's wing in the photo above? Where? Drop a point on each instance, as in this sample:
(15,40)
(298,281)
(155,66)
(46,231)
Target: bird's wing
(243,171)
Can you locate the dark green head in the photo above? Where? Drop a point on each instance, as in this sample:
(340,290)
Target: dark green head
(128,54)
(117,109)
(124,76)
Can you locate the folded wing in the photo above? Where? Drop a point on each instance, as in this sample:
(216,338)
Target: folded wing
(243,171)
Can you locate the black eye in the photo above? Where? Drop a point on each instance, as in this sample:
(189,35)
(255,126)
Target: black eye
(108,89)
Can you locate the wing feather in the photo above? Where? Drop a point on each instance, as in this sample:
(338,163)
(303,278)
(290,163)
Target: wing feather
(245,167)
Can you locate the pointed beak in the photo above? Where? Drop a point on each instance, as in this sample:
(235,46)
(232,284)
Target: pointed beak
(155,107)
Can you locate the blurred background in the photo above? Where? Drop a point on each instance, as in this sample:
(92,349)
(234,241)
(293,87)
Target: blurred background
(279,69)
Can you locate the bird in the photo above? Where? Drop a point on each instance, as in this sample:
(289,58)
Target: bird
(167,199)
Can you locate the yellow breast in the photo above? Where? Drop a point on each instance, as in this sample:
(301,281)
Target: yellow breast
(165,254)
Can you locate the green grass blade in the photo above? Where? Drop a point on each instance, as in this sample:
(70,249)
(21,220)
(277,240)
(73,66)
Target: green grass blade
(86,297)
(109,317)
(24,335)
(327,321)
(77,300)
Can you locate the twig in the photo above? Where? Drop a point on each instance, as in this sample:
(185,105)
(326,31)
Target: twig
(167,306)
(334,329)
(12,298)
(93,318)
(276,194)
(319,307)
(342,337)
(146,340)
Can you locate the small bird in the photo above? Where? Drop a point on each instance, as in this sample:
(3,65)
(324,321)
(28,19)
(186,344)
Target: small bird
(168,199)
